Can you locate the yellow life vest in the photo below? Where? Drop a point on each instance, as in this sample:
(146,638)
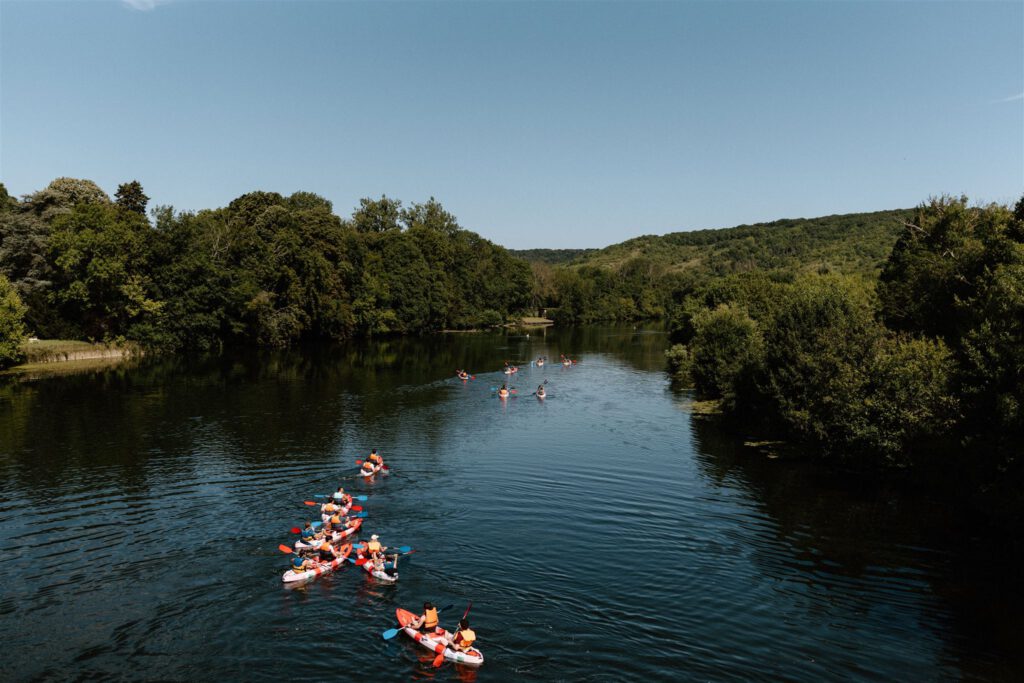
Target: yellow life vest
(430,618)
(373,547)
(325,547)
(466,638)
(335,519)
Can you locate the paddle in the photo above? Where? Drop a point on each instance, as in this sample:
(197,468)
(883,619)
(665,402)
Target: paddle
(361,499)
(439,659)
(286,549)
(392,632)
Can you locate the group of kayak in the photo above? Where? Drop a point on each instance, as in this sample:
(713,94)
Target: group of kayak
(505,391)
(325,545)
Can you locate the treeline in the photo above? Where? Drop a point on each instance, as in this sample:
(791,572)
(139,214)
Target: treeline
(647,277)
(266,270)
(921,367)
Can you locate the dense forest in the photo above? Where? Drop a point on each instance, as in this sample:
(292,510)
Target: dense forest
(647,277)
(266,270)
(921,367)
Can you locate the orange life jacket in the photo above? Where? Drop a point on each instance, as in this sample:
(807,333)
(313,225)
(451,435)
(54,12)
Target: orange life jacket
(430,618)
(335,519)
(373,547)
(464,639)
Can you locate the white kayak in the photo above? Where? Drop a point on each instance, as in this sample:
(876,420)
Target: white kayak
(437,642)
(381,576)
(292,576)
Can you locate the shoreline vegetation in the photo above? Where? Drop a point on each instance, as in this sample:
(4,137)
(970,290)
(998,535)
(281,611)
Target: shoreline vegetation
(891,340)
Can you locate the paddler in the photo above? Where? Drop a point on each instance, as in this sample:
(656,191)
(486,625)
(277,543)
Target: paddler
(301,564)
(463,375)
(327,551)
(426,622)
(375,459)
(374,548)
(330,507)
(308,533)
(464,637)
(339,496)
(503,392)
(540,391)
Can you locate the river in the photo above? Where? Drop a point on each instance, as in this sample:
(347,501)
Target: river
(602,534)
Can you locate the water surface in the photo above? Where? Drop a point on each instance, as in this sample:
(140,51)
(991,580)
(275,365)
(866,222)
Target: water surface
(602,534)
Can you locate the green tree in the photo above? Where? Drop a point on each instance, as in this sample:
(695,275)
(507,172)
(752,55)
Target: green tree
(129,196)
(12,326)
(726,351)
(99,256)
(380,215)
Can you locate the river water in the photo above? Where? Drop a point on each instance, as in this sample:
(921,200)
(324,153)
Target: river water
(603,534)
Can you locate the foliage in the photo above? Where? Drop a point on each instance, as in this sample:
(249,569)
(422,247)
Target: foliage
(130,197)
(12,327)
(725,351)
(267,269)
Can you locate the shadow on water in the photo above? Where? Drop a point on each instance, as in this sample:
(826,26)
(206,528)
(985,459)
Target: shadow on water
(843,530)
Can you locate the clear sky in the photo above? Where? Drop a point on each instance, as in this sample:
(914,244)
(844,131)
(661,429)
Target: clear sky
(561,124)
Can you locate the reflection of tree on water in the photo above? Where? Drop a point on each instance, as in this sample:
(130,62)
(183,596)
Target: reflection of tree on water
(879,545)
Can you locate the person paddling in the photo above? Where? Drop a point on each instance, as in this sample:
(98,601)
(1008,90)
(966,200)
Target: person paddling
(308,533)
(301,564)
(464,637)
(374,547)
(503,392)
(426,622)
(327,551)
(344,500)
(540,391)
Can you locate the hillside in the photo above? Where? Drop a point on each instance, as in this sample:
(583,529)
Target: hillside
(847,243)
(552,257)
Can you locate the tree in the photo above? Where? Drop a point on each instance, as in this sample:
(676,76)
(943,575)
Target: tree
(12,326)
(725,353)
(131,197)
(381,215)
(100,258)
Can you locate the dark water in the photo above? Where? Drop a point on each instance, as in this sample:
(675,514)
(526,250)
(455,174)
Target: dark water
(602,534)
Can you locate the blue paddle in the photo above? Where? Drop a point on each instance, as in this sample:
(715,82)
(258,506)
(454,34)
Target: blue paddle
(361,499)
(392,632)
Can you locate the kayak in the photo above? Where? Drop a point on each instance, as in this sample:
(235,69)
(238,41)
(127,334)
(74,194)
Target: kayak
(369,472)
(292,576)
(324,516)
(437,642)
(511,371)
(335,537)
(383,577)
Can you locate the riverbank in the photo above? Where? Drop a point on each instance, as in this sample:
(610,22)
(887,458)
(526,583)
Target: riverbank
(44,353)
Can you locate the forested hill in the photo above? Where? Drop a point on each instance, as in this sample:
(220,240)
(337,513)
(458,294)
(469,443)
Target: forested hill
(552,257)
(848,243)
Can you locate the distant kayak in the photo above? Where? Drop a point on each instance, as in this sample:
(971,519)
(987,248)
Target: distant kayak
(437,642)
(382,576)
(292,576)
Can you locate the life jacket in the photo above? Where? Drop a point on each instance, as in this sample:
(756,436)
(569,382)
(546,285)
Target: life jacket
(335,519)
(430,618)
(308,534)
(464,639)
(373,547)
(376,458)
(297,563)
(330,507)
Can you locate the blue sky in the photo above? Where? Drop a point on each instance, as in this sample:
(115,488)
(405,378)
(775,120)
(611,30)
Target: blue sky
(562,124)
